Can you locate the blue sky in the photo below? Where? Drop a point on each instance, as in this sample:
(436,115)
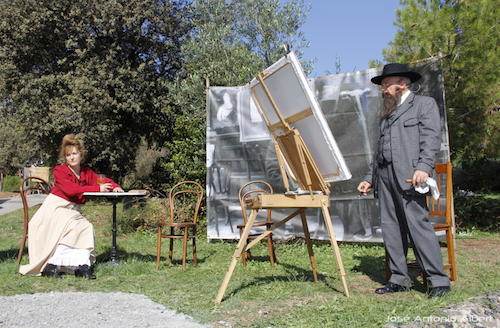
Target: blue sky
(355,30)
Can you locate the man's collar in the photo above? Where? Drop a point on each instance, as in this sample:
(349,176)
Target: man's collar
(404,96)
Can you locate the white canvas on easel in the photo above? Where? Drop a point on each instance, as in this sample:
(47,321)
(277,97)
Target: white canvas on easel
(287,83)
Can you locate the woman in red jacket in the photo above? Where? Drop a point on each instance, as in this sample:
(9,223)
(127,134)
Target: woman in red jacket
(60,239)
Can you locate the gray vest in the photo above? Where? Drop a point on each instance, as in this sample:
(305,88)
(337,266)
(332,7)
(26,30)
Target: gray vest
(384,146)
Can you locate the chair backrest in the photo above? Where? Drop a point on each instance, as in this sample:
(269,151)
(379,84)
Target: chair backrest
(254,188)
(185,201)
(443,205)
(220,178)
(28,186)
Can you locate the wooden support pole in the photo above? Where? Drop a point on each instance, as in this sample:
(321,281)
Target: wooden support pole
(239,250)
(335,247)
(309,245)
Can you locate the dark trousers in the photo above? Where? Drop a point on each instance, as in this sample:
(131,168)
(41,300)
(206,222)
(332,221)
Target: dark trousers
(405,217)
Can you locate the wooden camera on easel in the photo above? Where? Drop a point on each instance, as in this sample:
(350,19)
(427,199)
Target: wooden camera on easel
(305,148)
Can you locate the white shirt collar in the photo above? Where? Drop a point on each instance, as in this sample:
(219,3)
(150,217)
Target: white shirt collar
(404,96)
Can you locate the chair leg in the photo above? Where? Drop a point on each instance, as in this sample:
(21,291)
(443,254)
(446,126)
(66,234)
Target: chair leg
(21,249)
(244,255)
(171,252)
(424,280)
(271,248)
(451,254)
(388,272)
(184,248)
(158,249)
(194,247)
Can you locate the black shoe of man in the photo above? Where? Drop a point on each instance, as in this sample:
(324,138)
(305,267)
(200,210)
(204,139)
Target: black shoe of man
(439,291)
(391,288)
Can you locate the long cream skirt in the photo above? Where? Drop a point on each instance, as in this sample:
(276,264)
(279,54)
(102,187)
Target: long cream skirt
(57,222)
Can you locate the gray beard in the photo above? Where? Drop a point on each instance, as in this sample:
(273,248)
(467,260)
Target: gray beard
(389,106)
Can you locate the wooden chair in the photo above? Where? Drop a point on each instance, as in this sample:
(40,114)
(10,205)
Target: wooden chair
(28,186)
(437,208)
(242,195)
(184,202)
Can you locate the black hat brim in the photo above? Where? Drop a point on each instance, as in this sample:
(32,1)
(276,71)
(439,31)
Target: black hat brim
(413,76)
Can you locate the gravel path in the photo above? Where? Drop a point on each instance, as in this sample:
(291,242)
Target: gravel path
(105,310)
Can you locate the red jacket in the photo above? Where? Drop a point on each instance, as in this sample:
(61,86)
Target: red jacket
(67,185)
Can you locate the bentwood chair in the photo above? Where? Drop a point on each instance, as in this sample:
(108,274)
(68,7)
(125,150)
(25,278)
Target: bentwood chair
(184,201)
(441,207)
(29,186)
(249,190)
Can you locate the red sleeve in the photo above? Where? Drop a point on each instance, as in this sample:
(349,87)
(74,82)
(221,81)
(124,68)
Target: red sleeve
(66,181)
(90,178)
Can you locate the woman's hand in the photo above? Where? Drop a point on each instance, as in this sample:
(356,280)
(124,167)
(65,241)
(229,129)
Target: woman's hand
(118,189)
(105,187)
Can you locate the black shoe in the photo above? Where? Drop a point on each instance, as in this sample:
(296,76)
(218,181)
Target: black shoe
(51,270)
(391,288)
(439,291)
(84,271)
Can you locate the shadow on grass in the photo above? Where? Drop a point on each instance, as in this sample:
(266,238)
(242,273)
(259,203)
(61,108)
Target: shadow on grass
(374,268)
(125,256)
(272,279)
(11,254)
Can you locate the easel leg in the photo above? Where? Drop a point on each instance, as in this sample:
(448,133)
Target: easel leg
(239,250)
(335,247)
(309,245)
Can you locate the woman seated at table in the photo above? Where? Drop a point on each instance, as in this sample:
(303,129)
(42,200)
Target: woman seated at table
(60,239)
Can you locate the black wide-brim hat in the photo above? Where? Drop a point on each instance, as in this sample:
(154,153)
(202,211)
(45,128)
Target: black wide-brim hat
(396,70)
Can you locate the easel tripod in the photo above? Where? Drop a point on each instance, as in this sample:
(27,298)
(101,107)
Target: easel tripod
(292,152)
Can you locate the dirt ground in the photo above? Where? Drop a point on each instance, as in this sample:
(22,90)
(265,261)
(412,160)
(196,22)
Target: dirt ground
(8,194)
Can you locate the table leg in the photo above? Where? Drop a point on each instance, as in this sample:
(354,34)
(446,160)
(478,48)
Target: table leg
(114,250)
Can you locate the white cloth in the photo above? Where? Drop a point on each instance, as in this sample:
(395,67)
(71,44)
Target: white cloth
(431,185)
(70,256)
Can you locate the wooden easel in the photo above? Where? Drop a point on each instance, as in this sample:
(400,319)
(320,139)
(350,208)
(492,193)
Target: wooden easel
(290,147)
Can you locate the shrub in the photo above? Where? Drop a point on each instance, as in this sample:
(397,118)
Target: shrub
(479,176)
(11,183)
(477,212)
(144,214)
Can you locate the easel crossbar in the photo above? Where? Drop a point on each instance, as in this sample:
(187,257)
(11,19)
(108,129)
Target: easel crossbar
(321,201)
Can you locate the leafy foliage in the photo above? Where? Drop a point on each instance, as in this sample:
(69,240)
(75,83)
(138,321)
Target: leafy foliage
(11,183)
(480,176)
(231,43)
(477,213)
(465,35)
(15,149)
(93,68)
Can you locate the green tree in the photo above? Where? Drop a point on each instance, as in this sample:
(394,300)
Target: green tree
(231,43)
(15,149)
(94,68)
(465,35)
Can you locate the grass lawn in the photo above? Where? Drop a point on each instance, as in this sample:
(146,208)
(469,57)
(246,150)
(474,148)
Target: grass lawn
(258,295)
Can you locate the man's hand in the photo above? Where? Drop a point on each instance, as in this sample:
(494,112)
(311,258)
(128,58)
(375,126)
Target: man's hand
(419,177)
(364,187)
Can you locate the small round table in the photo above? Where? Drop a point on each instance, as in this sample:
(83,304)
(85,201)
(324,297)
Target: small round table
(114,198)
